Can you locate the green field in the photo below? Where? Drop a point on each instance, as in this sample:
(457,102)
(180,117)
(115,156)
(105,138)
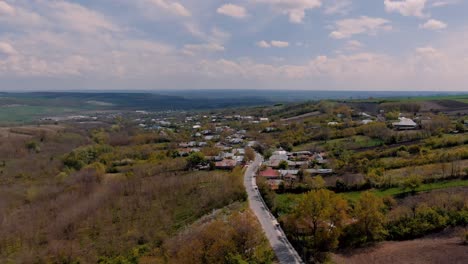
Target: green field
(25,113)
(284,202)
(354,142)
(462,98)
(353,196)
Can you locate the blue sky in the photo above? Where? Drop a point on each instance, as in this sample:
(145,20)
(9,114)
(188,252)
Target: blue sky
(237,44)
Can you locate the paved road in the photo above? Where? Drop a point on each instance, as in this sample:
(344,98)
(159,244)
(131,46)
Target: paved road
(278,241)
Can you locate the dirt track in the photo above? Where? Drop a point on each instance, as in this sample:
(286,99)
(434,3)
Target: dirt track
(436,250)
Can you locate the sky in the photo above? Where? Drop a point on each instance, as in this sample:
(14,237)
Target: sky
(419,45)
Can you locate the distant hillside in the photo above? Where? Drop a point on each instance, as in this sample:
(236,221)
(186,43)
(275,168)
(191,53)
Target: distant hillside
(125,101)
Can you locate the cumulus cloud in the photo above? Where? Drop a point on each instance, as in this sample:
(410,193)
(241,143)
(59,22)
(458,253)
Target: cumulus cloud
(354,45)
(7,49)
(175,8)
(231,10)
(193,49)
(63,40)
(341,7)
(273,43)
(406,7)
(445,3)
(433,24)
(263,44)
(78,18)
(6,9)
(346,28)
(279,44)
(295,9)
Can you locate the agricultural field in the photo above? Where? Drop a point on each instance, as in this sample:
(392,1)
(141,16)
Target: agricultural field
(445,247)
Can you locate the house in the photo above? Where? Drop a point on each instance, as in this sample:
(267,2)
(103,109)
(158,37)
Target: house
(332,123)
(283,173)
(270,174)
(405,124)
(226,164)
(274,184)
(209,137)
(320,171)
(366,121)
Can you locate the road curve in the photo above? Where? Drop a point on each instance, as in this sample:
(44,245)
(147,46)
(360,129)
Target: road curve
(284,251)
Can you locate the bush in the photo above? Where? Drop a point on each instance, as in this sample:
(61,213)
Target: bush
(81,157)
(424,221)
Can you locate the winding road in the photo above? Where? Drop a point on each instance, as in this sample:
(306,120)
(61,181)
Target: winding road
(284,251)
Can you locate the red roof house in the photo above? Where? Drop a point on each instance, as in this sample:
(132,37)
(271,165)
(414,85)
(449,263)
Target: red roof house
(270,173)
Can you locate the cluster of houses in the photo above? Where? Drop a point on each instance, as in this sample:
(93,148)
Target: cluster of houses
(285,166)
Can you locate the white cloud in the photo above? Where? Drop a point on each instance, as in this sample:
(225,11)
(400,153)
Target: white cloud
(279,44)
(341,7)
(232,11)
(18,17)
(263,44)
(433,25)
(406,7)
(6,9)
(7,49)
(78,18)
(354,45)
(194,49)
(363,25)
(175,8)
(295,9)
(445,3)
(427,51)
(273,43)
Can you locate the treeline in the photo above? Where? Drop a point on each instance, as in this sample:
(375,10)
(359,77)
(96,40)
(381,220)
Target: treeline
(322,221)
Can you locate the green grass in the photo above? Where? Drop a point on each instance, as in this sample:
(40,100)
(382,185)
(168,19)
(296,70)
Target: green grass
(355,142)
(25,113)
(354,196)
(284,202)
(462,97)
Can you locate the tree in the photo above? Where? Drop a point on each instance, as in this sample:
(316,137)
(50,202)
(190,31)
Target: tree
(412,182)
(194,159)
(370,217)
(316,183)
(33,146)
(249,154)
(283,165)
(320,215)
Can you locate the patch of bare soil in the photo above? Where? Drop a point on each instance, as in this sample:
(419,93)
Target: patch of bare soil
(431,106)
(299,117)
(28,131)
(442,248)
(451,104)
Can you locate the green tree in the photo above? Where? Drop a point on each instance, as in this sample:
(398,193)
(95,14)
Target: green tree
(369,212)
(316,183)
(194,159)
(412,182)
(283,165)
(320,215)
(33,146)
